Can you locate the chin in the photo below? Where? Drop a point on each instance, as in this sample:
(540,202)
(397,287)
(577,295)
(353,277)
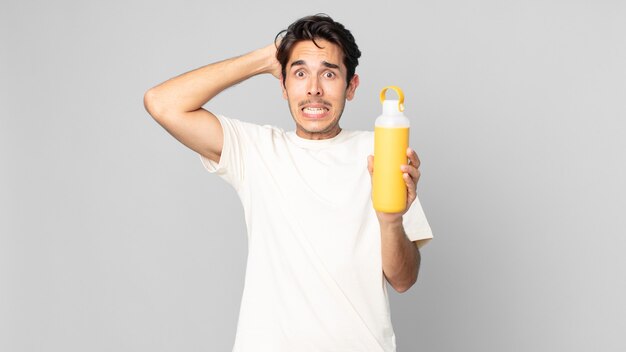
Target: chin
(318,128)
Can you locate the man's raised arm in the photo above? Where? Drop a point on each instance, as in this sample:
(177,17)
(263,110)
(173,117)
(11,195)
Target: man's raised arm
(176,104)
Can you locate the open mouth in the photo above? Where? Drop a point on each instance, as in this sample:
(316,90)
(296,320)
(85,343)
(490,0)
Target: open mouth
(314,111)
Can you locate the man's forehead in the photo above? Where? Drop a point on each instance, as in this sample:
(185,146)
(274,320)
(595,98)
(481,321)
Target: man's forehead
(323,63)
(306,53)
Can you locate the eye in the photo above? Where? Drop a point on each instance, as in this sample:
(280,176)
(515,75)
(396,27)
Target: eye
(329,74)
(300,74)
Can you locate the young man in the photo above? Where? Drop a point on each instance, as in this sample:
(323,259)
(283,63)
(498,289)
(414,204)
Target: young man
(319,255)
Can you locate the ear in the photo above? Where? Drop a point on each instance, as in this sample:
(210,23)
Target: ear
(354,82)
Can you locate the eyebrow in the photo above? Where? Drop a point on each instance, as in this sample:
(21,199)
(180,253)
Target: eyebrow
(325,63)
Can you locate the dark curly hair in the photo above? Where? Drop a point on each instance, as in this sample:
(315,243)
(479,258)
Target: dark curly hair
(319,26)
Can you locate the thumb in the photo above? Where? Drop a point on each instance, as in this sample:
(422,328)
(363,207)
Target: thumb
(370,164)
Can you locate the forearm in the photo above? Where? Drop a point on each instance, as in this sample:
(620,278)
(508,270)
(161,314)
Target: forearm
(190,91)
(400,256)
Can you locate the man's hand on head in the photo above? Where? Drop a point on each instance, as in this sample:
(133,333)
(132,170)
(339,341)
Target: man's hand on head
(274,67)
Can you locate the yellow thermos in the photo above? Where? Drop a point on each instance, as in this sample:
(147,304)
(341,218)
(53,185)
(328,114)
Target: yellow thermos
(391,140)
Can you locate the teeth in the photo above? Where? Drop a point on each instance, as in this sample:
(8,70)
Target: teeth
(314,110)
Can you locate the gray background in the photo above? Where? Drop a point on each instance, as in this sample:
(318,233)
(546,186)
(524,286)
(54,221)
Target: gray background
(114,238)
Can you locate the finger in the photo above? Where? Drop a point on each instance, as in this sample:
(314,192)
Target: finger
(410,186)
(370,164)
(413,158)
(412,171)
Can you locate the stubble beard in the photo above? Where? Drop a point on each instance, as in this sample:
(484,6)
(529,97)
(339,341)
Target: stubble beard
(334,124)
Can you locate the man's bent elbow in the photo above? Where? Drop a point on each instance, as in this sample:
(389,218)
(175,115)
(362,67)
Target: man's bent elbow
(402,288)
(152,103)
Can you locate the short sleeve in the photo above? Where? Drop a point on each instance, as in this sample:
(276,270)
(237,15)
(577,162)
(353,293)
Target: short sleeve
(231,164)
(416,225)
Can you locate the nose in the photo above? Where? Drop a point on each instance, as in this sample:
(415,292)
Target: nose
(314,88)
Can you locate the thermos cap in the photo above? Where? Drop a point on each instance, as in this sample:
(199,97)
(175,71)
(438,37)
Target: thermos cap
(399,104)
(391,108)
(393,115)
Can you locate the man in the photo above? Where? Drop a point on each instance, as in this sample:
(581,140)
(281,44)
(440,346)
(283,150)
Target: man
(318,254)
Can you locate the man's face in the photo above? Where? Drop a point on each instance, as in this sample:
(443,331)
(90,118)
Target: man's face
(315,87)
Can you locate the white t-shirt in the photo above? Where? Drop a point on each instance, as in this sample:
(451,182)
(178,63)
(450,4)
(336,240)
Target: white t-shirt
(314,279)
